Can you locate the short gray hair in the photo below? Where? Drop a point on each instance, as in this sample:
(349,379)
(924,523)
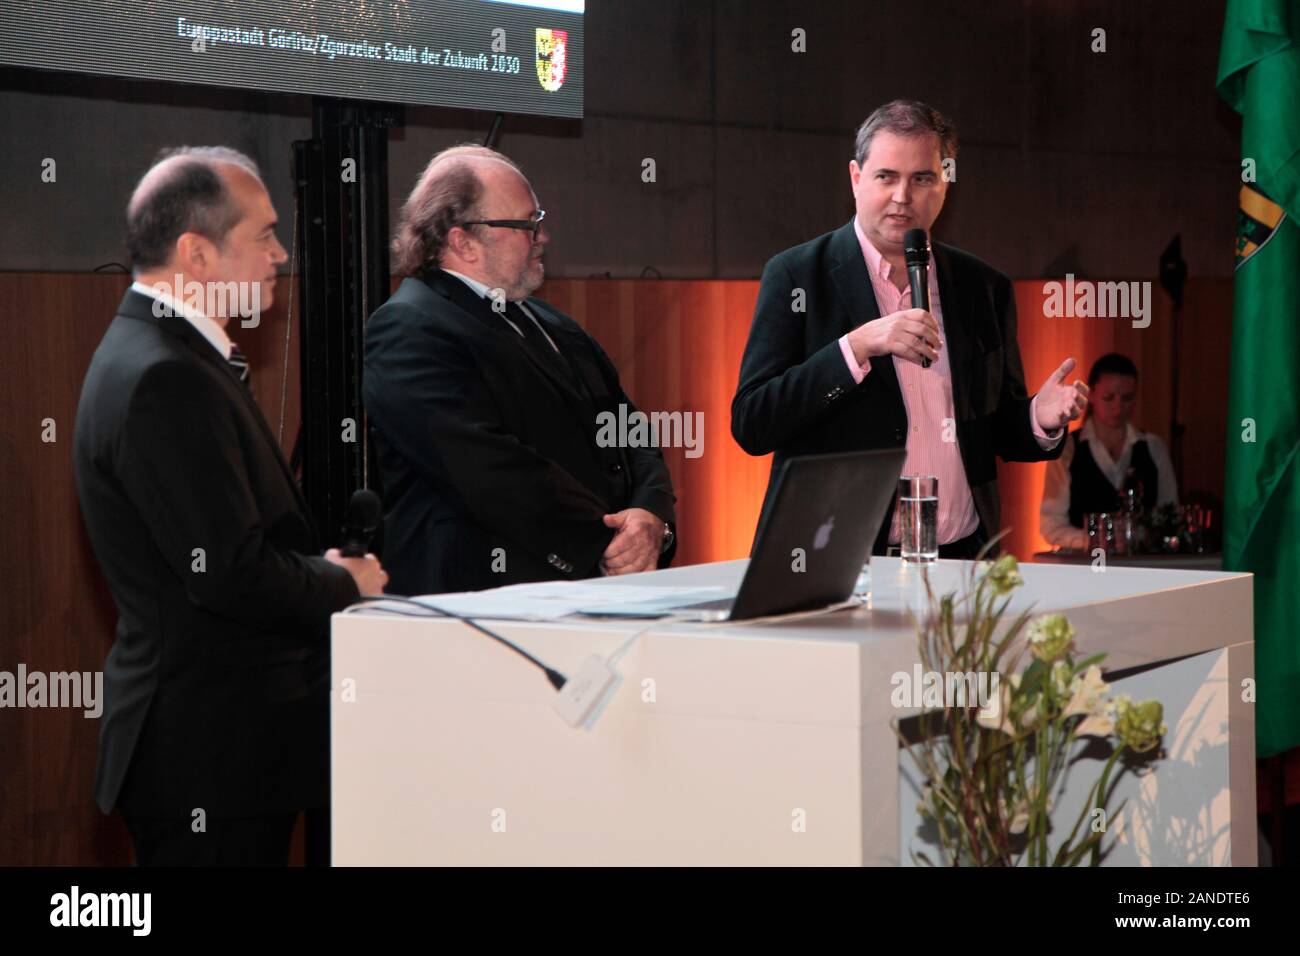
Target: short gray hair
(192,197)
(906,118)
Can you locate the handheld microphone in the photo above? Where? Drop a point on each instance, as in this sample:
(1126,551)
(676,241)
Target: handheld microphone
(916,253)
(361,523)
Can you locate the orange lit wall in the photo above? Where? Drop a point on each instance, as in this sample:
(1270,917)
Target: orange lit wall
(678,344)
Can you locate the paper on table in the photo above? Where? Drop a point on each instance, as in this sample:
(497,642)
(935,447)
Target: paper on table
(551,600)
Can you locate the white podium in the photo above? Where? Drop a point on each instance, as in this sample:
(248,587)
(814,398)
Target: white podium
(761,744)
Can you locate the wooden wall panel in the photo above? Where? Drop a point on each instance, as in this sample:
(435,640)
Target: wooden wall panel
(56,613)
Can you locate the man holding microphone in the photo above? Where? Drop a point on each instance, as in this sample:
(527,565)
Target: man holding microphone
(839,360)
(215,728)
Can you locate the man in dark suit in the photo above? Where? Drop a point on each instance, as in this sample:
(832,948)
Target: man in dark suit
(215,727)
(484,404)
(834,357)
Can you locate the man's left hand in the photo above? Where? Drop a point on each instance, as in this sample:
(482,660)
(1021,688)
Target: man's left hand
(1058,404)
(638,539)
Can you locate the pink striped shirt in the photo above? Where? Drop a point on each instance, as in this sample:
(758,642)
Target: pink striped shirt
(927,397)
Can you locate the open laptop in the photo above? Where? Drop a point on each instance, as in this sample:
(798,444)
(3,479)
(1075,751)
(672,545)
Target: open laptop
(814,538)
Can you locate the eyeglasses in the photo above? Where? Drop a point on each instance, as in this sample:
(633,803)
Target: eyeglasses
(533,225)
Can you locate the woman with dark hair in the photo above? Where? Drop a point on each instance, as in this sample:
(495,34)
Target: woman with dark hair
(1103,459)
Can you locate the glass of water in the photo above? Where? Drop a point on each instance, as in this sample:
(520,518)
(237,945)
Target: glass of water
(918,518)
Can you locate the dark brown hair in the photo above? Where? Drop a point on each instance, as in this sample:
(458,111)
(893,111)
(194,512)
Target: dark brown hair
(906,118)
(191,198)
(1112,363)
(446,195)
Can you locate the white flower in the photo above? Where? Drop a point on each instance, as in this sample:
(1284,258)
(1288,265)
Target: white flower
(1002,575)
(1088,697)
(1061,675)
(1095,725)
(1088,693)
(1050,637)
(1019,819)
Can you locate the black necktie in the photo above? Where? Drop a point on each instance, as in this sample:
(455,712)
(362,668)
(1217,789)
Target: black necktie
(536,340)
(239,363)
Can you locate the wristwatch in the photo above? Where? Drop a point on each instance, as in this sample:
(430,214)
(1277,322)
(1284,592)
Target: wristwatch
(669,538)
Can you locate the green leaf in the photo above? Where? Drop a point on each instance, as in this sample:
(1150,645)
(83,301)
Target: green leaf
(1083,666)
(1031,681)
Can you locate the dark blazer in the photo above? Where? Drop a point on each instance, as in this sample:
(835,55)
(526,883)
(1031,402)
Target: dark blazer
(491,470)
(216,688)
(796,395)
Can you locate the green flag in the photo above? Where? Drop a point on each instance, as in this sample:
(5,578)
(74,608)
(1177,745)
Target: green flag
(1259,76)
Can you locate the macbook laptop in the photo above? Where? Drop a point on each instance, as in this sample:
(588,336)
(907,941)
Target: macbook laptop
(814,538)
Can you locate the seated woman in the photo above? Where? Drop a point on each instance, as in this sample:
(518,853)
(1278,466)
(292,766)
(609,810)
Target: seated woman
(1104,458)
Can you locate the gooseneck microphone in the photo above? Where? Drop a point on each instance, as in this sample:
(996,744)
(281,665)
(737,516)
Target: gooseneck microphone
(916,253)
(364,510)
(361,523)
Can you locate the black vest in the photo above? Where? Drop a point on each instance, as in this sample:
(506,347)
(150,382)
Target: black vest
(1091,490)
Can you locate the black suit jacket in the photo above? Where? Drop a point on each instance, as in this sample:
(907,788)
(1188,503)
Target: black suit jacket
(796,395)
(491,470)
(216,689)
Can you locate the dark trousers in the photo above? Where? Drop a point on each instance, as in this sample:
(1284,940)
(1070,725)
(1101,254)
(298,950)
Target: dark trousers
(245,841)
(965,548)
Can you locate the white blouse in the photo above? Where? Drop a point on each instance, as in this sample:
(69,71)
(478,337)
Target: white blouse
(1054,514)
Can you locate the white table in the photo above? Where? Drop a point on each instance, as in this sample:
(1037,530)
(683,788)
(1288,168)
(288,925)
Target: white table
(755,744)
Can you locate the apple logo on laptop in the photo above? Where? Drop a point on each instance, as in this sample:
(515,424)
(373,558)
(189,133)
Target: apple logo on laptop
(823,535)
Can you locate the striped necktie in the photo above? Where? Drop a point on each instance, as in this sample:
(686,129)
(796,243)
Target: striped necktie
(239,363)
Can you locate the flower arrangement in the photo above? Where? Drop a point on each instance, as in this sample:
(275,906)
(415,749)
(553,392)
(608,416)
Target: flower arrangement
(993,769)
